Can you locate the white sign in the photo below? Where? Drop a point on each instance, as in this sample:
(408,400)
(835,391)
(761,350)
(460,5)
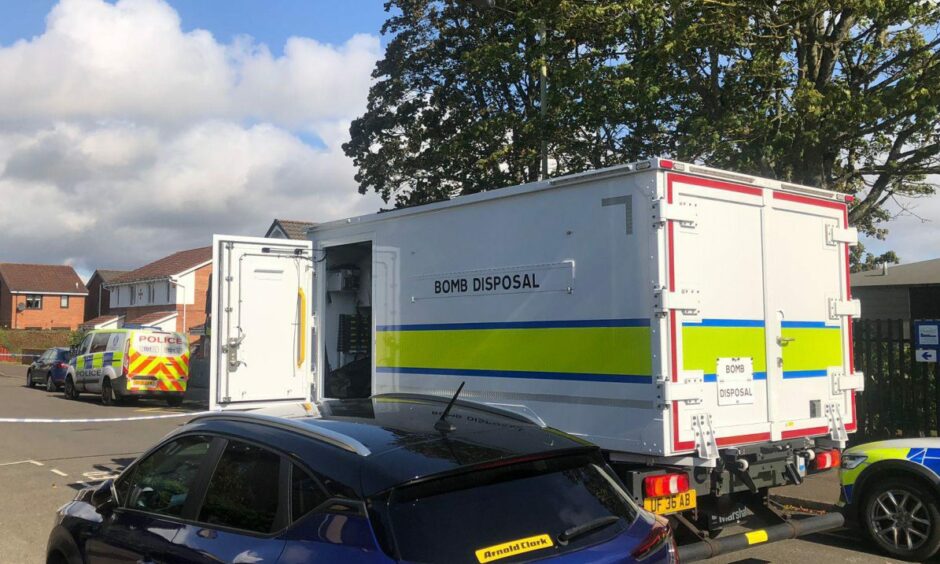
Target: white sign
(928,335)
(926,355)
(735,381)
(554,277)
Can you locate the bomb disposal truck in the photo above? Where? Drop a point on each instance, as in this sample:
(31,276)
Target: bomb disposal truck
(694,323)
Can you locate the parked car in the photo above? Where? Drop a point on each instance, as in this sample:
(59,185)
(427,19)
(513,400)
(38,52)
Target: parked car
(49,369)
(892,490)
(390,478)
(120,364)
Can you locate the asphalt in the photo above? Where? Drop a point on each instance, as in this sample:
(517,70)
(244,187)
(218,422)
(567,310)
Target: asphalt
(43,465)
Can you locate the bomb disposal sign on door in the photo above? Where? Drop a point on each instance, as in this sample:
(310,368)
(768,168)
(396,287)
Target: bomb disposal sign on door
(735,380)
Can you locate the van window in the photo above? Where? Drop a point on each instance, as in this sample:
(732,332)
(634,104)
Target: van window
(100,342)
(116,342)
(83,348)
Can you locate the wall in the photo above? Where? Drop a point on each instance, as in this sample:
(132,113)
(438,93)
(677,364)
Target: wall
(884,302)
(6,306)
(50,316)
(91,302)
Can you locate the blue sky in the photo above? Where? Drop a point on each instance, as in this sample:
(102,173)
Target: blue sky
(268,21)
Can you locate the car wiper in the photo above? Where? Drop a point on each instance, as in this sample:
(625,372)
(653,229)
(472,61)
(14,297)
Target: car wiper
(585,528)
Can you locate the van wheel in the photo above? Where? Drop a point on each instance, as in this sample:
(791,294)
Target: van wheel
(903,519)
(174,401)
(70,391)
(107,394)
(50,385)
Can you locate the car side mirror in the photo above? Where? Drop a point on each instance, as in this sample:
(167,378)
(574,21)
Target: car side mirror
(103,498)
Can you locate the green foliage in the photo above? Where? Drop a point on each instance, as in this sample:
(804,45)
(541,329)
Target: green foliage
(837,94)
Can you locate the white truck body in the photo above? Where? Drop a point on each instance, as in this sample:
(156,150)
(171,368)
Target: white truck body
(660,310)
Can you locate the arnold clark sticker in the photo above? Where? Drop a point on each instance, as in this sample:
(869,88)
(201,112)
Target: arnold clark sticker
(735,380)
(514,547)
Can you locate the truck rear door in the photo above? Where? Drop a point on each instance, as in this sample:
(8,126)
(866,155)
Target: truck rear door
(261,322)
(758,314)
(812,377)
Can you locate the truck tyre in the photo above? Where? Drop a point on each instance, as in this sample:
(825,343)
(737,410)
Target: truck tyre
(107,394)
(50,385)
(174,401)
(903,519)
(70,391)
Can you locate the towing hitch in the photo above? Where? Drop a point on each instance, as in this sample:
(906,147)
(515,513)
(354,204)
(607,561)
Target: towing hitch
(787,530)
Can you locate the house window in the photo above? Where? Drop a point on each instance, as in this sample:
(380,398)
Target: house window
(63,302)
(151,294)
(33,301)
(133,295)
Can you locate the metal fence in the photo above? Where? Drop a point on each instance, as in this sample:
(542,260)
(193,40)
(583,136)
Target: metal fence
(901,395)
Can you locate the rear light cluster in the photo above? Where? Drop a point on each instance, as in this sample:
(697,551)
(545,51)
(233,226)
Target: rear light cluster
(660,535)
(827,459)
(665,484)
(60,364)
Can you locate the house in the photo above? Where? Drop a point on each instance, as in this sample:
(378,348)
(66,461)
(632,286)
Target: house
(288,229)
(170,293)
(41,296)
(904,291)
(98,303)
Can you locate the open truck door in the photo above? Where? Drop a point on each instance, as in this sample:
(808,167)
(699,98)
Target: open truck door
(261,322)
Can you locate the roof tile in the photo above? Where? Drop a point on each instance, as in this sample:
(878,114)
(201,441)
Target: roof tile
(47,278)
(167,266)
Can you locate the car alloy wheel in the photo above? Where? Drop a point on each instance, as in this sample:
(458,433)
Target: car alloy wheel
(903,519)
(29,378)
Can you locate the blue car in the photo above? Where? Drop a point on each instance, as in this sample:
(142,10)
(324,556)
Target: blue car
(49,369)
(392,478)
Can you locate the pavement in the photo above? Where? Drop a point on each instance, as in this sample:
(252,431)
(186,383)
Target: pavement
(43,465)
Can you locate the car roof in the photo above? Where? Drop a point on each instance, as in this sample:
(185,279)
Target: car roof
(390,440)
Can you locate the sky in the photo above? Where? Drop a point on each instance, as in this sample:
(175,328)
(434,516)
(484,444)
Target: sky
(131,129)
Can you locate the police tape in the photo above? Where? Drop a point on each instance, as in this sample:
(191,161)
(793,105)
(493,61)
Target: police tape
(101,419)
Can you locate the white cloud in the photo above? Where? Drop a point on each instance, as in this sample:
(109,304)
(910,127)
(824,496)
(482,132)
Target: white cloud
(123,138)
(914,233)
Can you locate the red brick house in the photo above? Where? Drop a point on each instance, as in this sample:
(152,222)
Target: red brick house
(41,296)
(98,303)
(170,293)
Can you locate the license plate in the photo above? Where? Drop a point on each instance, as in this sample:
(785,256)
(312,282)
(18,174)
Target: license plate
(670,503)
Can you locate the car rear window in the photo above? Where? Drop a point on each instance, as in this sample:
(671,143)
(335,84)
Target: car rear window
(63,355)
(508,513)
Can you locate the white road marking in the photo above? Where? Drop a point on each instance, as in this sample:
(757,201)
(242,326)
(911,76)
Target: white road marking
(101,420)
(35,462)
(59,472)
(22,462)
(100,475)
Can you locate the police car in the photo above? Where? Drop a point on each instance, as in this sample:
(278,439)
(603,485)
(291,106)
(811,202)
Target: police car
(122,364)
(891,489)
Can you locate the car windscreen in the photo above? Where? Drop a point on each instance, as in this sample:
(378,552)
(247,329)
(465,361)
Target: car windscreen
(509,513)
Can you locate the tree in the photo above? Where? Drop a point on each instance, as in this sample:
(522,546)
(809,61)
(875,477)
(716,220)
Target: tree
(838,94)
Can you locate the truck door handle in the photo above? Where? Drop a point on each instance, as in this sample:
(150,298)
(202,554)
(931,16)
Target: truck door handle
(784,341)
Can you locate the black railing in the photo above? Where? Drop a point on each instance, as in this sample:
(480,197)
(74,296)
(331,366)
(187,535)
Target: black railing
(901,394)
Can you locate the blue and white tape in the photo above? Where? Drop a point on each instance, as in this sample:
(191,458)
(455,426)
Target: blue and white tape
(100,419)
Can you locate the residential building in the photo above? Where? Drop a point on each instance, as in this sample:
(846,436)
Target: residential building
(170,293)
(98,303)
(288,229)
(904,291)
(41,296)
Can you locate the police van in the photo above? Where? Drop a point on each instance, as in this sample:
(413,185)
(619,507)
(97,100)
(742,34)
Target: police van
(121,364)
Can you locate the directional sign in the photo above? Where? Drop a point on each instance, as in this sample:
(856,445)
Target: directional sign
(928,334)
(926,355)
